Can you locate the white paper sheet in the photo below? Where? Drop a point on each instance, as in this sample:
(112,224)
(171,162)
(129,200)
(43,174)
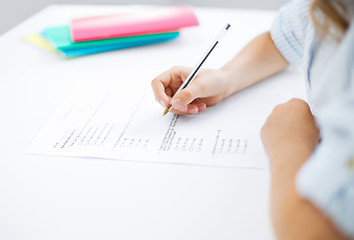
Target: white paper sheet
(127,124)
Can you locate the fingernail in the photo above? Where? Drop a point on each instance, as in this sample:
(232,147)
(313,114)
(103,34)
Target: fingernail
(162,103)
(177,104)
(201,108)
(193,111)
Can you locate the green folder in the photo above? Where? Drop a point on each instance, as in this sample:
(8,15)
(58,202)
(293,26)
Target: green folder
(59,37)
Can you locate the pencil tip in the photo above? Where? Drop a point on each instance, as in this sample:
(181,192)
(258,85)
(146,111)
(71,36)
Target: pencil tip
(167,109)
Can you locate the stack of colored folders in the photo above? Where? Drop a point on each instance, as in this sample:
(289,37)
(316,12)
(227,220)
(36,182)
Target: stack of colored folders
(111,32)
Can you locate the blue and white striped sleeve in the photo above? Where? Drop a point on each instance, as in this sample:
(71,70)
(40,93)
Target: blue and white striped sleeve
(289,28)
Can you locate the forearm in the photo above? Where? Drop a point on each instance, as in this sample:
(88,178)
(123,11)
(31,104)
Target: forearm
(293,216)
(257,60)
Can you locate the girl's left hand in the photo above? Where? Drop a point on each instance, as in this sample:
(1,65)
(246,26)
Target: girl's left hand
(290,130)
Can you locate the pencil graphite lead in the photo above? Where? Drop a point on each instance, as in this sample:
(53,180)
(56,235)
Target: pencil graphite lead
(167,110)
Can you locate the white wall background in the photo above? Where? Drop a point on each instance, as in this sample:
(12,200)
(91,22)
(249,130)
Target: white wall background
(13,12)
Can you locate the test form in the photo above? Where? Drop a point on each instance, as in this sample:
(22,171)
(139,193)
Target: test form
(126,123)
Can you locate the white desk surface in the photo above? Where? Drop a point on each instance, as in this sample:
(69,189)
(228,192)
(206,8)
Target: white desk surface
(46,197)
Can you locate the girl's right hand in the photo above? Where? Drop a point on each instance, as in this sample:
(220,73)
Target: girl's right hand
(208,88)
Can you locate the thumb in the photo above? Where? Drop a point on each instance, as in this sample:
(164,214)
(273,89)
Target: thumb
(185,97)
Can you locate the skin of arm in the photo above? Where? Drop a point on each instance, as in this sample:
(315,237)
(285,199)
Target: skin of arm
(290,136)
(257,60)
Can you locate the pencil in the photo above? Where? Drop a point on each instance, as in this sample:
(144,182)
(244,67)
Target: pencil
(196,69)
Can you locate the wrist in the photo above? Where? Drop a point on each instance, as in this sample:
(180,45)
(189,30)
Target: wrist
(285,162)
(232,80)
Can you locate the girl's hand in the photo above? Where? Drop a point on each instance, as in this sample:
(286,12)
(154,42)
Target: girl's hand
(208,88)
(290,130)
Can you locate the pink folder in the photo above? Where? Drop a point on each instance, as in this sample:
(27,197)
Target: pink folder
(154,20)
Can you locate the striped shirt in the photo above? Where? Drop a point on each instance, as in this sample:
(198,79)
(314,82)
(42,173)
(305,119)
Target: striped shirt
(327,178)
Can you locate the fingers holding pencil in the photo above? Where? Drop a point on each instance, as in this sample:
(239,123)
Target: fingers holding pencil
(166,85)
(182,99)
(209,88)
